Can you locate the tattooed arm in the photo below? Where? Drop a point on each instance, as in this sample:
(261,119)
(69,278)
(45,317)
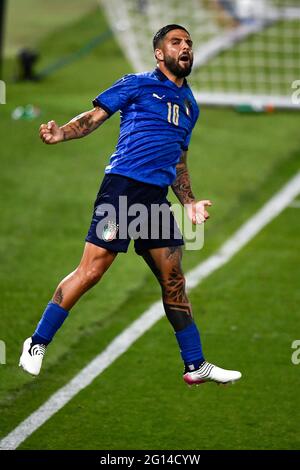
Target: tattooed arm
(182,189)
(182,184)
(78,127)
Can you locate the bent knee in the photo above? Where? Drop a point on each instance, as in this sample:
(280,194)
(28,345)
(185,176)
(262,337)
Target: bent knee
(93,275)
(90,275)
(93,266)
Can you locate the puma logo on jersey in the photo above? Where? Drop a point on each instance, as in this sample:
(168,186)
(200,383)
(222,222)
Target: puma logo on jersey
(159,97)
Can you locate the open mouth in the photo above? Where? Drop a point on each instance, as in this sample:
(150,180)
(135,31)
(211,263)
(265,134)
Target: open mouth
(184,58)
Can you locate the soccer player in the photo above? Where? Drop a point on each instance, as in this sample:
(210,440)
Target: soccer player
(158,113)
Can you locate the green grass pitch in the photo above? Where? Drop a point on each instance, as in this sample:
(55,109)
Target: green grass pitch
(248,311)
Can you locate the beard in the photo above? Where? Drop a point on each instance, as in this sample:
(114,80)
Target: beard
(176,68)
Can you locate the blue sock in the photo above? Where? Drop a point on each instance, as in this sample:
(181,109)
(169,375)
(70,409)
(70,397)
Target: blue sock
(52,319)
(190,346)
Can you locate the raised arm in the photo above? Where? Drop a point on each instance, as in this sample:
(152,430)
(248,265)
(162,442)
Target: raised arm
(78,127)
(182,189)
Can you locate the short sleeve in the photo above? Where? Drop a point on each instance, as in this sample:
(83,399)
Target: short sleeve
(186,142)
(118,95)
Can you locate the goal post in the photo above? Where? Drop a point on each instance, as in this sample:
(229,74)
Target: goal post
(245,51)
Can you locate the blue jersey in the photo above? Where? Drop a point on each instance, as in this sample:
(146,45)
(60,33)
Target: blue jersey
(157,118)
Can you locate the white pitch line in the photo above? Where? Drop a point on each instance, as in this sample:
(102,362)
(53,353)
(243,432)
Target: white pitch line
(131,334)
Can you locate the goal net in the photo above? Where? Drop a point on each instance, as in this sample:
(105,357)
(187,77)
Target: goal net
(245,51)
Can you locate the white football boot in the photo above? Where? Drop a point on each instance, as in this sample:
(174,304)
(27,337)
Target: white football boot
(32,357)
(210,373)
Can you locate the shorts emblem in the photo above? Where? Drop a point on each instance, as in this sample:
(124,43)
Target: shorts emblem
(110,231)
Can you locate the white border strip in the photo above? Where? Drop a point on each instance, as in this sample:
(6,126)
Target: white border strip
(131,334)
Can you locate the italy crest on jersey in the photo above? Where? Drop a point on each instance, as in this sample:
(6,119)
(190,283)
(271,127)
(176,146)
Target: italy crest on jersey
(188,106)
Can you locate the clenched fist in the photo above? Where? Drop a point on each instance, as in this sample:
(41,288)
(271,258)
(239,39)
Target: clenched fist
(51,133)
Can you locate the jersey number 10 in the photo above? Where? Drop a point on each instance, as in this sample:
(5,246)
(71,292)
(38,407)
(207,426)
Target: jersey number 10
(173,113)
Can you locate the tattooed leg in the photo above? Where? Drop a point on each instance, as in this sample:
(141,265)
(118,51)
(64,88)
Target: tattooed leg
(180,316)
(95,261)
(165,263)
(58,296)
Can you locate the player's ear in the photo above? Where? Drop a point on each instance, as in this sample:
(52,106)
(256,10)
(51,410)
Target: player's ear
(159,55)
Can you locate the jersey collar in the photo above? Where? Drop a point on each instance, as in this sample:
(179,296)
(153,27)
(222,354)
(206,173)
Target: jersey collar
(163,78)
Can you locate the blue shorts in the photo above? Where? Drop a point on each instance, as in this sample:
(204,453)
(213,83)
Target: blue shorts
(127,209)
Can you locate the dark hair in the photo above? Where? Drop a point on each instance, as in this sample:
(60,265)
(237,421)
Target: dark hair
(165,30)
